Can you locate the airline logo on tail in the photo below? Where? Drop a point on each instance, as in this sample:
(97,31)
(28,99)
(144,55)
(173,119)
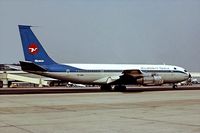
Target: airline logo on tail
(33,48)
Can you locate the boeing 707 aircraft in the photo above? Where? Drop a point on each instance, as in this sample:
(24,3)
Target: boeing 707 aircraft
(38,62)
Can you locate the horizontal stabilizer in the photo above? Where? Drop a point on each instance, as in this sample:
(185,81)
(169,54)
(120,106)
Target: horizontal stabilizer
(29,66)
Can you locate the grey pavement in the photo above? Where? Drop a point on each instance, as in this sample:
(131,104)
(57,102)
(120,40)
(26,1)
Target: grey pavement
(108,112)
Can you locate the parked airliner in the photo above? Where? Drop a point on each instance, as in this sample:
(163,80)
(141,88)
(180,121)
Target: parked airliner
(38,62)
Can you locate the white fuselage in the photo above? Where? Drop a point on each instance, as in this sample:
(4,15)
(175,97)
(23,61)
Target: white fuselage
(97,73)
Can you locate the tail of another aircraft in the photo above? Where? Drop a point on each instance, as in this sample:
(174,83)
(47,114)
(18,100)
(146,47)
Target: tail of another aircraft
(33,50)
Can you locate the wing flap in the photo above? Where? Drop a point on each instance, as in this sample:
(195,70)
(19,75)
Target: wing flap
(107,80)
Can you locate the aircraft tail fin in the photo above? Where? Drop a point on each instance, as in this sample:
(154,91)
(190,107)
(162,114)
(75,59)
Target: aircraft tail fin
(32,48)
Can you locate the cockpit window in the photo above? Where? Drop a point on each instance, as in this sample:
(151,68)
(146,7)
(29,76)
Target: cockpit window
(174,68)
(185,70)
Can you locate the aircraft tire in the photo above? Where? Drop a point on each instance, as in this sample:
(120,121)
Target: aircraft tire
(1,84)
(120,88)
(106,88)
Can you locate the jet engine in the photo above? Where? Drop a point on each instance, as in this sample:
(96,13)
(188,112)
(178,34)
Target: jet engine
(150,80)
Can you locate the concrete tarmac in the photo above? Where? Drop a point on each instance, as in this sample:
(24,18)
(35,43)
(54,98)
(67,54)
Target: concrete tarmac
(105,112)
(47,90)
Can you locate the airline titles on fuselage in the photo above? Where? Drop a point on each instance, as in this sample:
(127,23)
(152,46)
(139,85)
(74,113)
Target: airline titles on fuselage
(155,68)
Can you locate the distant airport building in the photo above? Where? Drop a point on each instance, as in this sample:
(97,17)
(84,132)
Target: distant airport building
(10,77)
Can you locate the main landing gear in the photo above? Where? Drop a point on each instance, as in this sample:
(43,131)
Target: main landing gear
(120,88)
(106,87)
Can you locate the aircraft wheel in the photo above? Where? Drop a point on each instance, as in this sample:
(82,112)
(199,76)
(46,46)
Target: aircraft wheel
(120,88)
(106,87)
(1,84)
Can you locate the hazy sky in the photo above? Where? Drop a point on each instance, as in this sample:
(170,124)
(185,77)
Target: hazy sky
(106,31)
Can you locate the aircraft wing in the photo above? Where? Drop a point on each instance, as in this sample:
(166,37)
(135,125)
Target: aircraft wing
(107,80)
(136,73)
